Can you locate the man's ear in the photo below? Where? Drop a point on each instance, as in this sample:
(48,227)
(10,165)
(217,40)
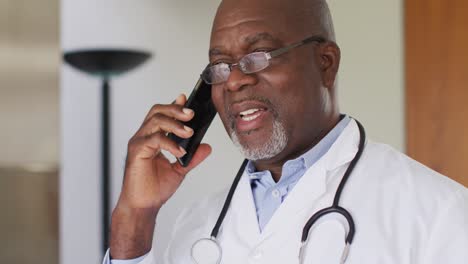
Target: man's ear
(329,62)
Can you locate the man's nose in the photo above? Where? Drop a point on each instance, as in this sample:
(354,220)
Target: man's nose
(237,79)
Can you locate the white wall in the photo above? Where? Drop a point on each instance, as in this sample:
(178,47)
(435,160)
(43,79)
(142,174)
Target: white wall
(371,84)
(177,32)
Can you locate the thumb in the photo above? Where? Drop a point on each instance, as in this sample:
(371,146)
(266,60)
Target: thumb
(180,100)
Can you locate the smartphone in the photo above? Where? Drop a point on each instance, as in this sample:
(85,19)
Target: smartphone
(200,102)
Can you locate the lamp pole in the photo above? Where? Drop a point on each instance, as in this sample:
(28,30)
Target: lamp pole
(105,158)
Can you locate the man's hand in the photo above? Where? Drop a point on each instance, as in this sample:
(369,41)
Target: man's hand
(150,178)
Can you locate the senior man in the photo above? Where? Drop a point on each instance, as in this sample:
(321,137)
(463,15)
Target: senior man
(273,68)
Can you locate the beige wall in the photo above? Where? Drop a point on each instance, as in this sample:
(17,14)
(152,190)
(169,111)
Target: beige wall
(29,99)
(29,66)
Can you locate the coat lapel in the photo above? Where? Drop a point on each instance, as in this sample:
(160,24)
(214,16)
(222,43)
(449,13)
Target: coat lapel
(242,215)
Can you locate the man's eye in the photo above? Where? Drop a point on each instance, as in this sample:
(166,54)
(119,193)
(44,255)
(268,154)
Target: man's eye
(218,62)
(262,50)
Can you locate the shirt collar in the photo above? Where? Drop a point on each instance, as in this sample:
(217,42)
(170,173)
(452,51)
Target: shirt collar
(315,153)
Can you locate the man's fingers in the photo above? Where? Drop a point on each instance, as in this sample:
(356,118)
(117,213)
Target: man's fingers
(163,123)
(151,145)
(174,110)
(202,152)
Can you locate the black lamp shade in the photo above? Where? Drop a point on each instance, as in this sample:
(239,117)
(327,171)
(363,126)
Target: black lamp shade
(106,62)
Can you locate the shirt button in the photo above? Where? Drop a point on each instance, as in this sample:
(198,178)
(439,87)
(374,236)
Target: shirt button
(276,193)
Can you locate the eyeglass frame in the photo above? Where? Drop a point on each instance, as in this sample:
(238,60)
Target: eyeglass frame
(268,55)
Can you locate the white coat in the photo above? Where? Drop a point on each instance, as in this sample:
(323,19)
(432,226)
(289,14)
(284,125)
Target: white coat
(404,213)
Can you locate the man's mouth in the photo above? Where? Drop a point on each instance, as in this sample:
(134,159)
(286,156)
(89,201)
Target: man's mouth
(251,114)
(252,119)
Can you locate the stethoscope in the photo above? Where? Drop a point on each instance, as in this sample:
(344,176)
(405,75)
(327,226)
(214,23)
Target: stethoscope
(209,251)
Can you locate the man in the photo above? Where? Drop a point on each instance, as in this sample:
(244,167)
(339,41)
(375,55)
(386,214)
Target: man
(282,113)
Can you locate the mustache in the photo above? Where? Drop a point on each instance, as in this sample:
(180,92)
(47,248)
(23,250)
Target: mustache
(257,98)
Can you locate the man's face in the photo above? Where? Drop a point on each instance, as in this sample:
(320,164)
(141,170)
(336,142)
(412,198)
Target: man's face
(273,114)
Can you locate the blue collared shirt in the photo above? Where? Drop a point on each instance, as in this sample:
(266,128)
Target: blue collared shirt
(268,194)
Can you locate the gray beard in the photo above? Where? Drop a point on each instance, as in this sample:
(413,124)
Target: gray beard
(273,146)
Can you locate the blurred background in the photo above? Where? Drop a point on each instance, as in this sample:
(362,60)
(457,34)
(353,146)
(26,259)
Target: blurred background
(29,134)
(403,75)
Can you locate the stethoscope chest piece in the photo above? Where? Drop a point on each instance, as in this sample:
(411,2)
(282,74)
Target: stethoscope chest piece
(206,251)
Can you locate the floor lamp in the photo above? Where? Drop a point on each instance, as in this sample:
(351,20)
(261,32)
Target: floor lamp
(105,64)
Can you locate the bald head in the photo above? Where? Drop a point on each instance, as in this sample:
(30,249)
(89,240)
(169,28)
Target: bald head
(310,17)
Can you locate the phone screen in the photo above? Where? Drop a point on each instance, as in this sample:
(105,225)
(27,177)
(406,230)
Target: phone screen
(200,102)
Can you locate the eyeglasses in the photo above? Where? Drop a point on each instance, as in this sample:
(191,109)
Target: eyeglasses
(250,63)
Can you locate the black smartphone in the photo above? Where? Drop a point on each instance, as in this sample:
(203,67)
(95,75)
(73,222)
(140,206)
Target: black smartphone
(200,102)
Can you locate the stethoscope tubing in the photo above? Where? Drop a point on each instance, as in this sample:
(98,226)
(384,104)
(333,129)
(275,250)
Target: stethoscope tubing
(227,202)
(334,208)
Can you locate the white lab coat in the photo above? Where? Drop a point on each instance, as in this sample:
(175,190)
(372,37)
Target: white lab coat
(404,213)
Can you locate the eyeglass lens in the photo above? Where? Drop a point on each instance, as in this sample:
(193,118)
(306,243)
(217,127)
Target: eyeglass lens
(250,63)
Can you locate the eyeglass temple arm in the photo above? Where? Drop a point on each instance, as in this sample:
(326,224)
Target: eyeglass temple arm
(280,51)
